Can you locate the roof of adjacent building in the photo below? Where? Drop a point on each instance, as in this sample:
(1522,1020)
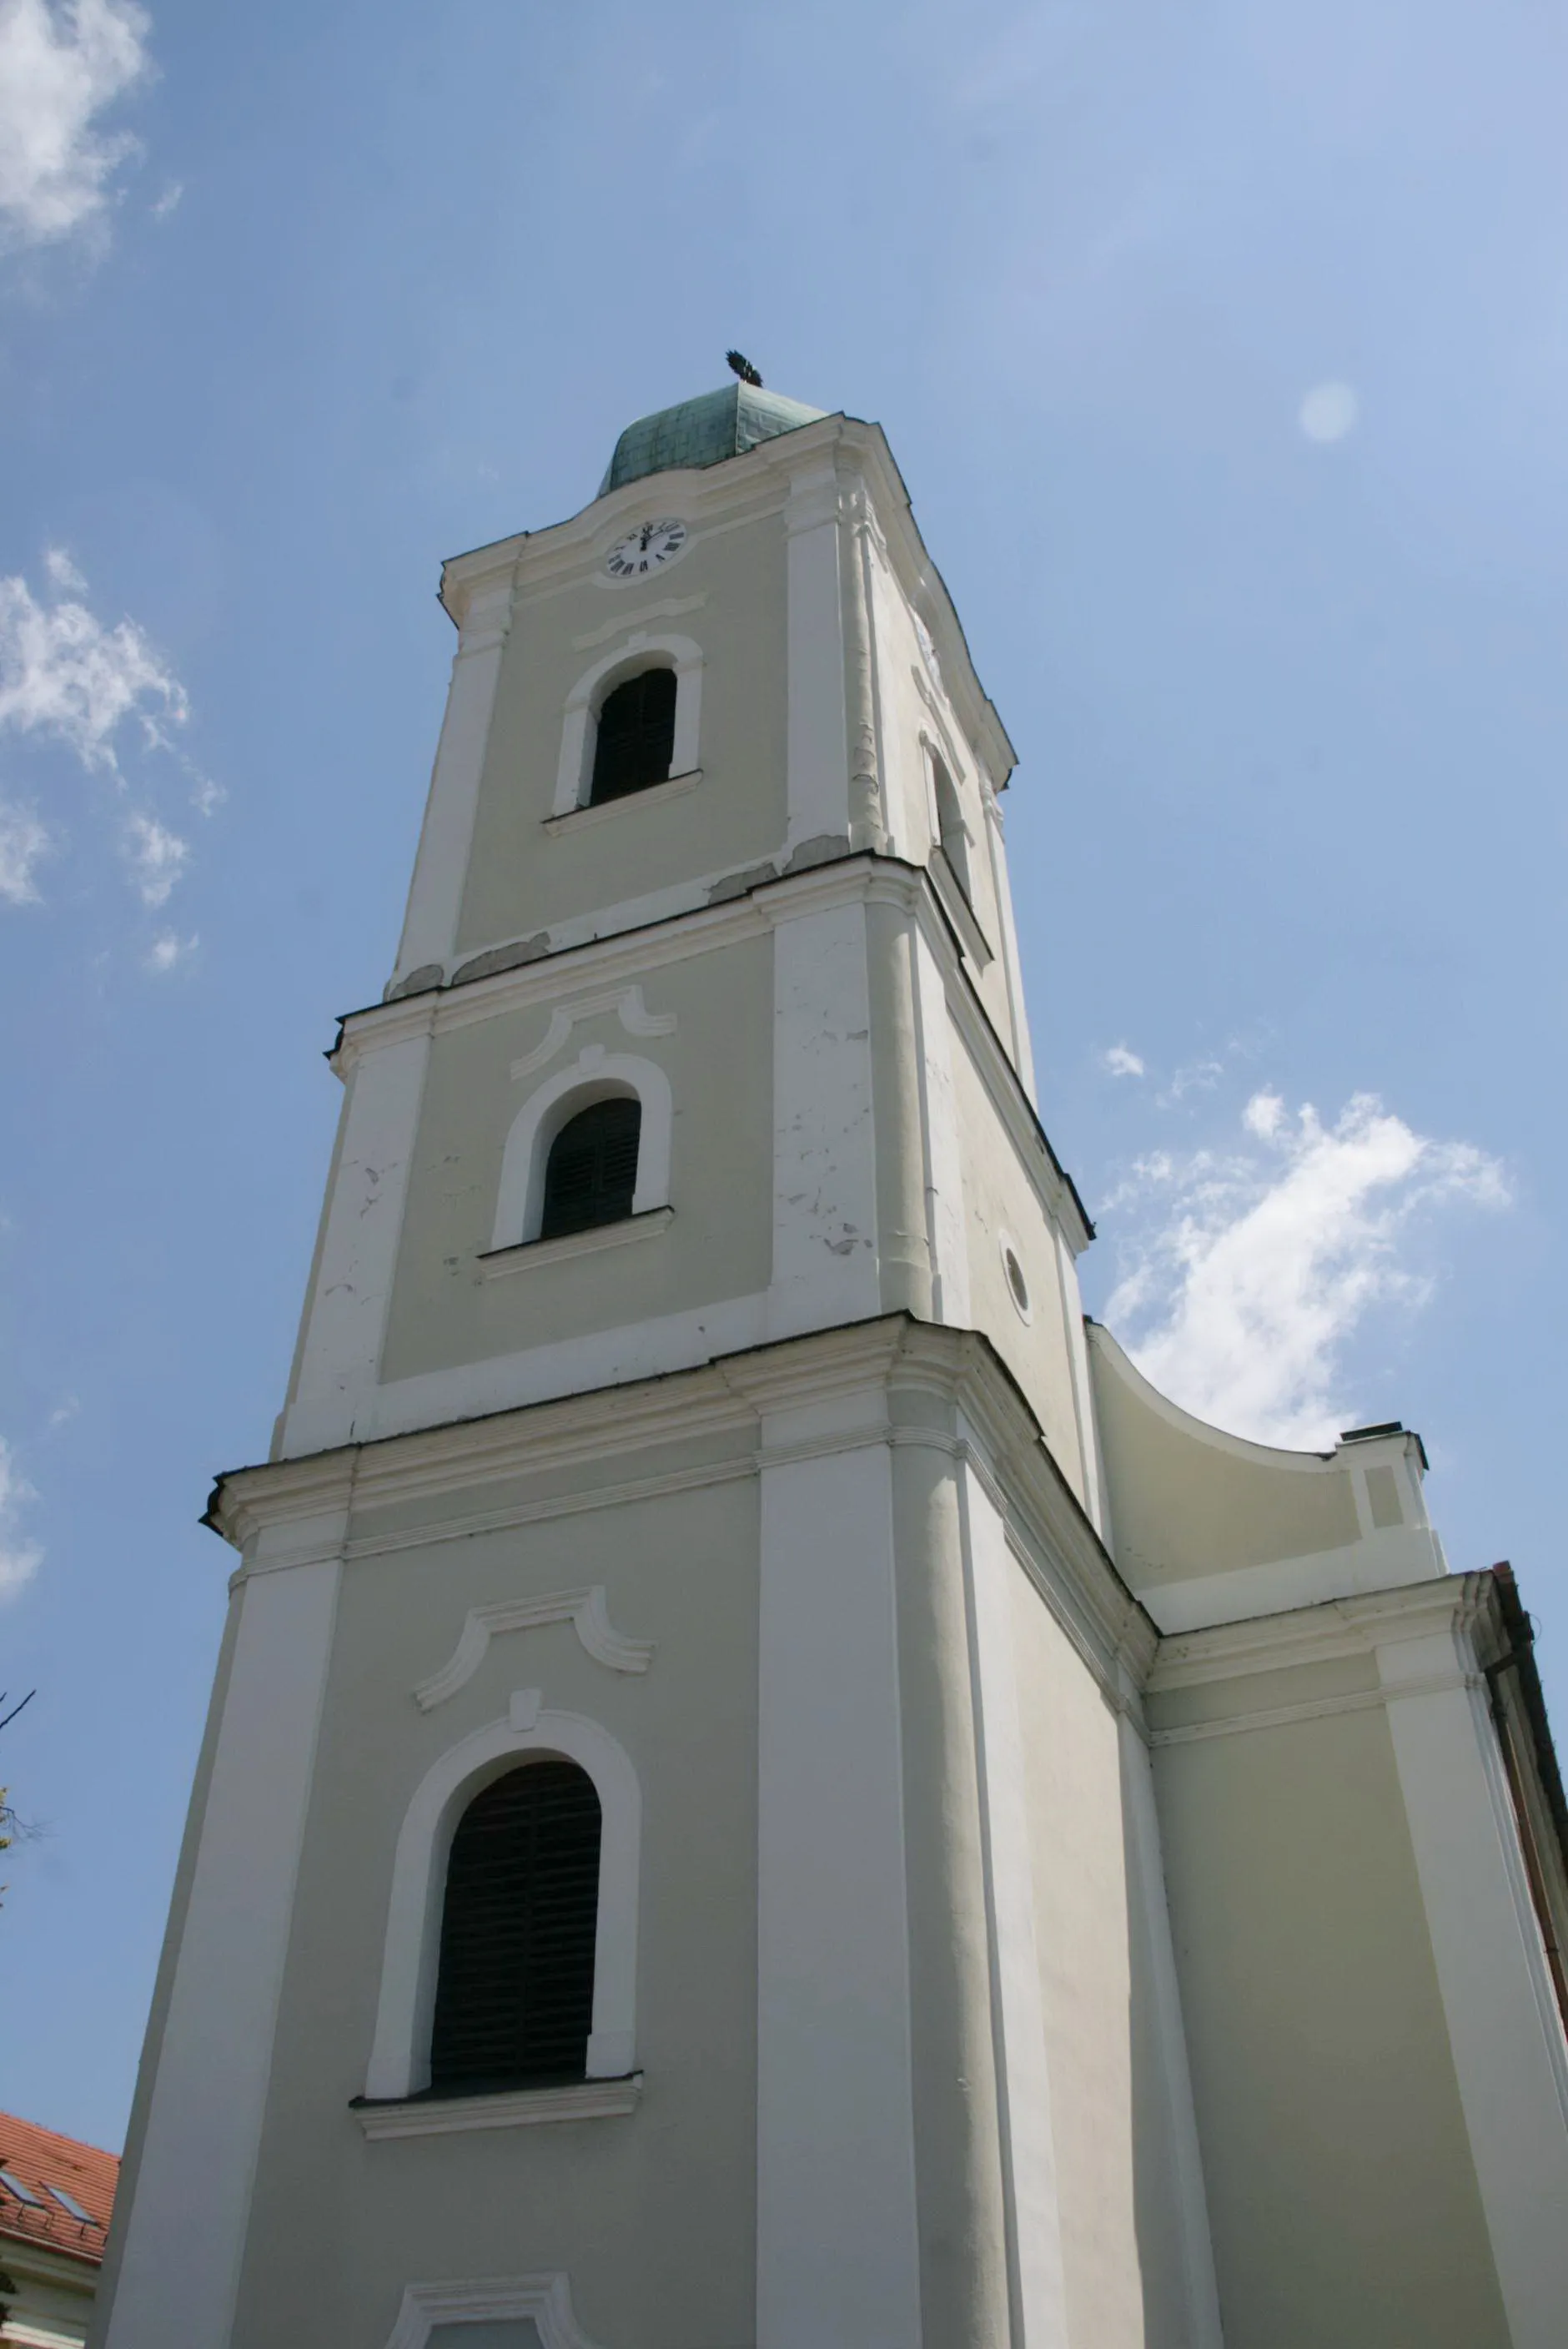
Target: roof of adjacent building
(704,431)
(52,2172)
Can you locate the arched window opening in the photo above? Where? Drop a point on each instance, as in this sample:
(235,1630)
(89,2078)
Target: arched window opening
(636,738)
(514,1990)
(952,831)
(591,1173)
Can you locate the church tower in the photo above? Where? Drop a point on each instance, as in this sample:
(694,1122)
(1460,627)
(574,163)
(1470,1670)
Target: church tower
(676,1862)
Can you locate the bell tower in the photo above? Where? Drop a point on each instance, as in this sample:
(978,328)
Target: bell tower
(694,1301)
(786,936)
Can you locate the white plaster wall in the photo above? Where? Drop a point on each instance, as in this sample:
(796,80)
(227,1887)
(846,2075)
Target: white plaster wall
(351,1293)
(1002,1203)
(824,1135)
(188,2221)
(837,2250)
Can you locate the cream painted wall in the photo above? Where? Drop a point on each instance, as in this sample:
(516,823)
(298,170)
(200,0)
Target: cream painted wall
(999,1198)
(1184,1503)
(718,1059)
(524,877)
(1341,2187)
(651,2213)
(916,711)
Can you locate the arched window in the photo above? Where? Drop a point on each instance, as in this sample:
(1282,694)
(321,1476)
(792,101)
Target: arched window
(636,736)
(514,1988)
(591,1173)
(951,830)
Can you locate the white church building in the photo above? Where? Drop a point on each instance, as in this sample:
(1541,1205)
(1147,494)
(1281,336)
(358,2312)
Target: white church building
(764,1789)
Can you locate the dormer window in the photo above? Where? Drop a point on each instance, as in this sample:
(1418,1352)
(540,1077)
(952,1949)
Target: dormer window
(635,740)
(591,1173)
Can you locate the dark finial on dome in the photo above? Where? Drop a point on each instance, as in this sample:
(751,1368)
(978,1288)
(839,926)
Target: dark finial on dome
(741,366)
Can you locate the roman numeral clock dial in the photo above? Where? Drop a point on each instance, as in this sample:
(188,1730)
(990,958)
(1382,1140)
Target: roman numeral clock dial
(645,549)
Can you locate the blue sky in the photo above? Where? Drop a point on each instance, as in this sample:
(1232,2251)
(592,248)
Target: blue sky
(1225,353)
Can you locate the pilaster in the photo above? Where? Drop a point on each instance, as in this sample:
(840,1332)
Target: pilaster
(435,897)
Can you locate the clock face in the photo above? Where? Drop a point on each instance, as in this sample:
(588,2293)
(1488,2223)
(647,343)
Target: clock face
(643,549)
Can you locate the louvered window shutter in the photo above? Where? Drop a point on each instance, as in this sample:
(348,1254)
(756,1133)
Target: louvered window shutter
(514,1995)
(591,1173)
(637,737)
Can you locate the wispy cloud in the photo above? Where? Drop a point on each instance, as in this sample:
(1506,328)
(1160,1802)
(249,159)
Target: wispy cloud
(20,1558)
(168,951)
(156,857)
(61,68)
(64,674)
(1192,1077)
(24,843)
(1120,1061)
(67,677)
(1246,1274)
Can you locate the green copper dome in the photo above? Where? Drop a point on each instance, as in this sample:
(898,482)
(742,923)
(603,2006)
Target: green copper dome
(704,431)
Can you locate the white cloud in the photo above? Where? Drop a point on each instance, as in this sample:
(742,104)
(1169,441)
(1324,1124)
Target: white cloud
(63,673)
(63,572)
(168,201)
(1195,1077)
(1121,1062)
(168,952)
(24,843)
(1328,411)
(60,67)
(157,857)
(1241,1294)
(19,1559)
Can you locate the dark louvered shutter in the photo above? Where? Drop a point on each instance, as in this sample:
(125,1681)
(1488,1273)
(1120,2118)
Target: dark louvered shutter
(636,739)
(514,1996)
(591,1173)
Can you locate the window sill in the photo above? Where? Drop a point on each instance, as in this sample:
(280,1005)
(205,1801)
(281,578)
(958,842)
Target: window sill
(579,819)
(580,2100)
(495,1263)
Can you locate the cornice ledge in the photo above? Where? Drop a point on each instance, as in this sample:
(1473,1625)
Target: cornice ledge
(530,1438)
(785,1373)
(1464,1604)
(246,1501)
(466,577)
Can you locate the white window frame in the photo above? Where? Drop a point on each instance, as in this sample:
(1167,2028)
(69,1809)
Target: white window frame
(545,2300)
(595,1075)
(400,2053)
(580,727)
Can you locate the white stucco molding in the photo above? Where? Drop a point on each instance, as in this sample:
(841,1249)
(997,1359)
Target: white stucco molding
(594,1075)
(579,2100)
(587,1611)
(544,2300)
(625,1002)
(399,2059)
(638,650)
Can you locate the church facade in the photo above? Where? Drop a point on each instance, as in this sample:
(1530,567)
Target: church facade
(763,1787)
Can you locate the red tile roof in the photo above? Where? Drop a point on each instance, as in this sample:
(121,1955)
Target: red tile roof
(39,2158)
